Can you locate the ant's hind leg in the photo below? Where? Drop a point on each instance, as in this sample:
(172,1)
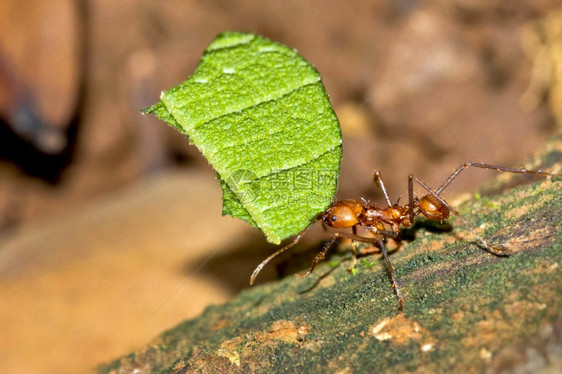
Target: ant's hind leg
(480,165)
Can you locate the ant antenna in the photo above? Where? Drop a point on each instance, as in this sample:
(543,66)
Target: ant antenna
(295,241)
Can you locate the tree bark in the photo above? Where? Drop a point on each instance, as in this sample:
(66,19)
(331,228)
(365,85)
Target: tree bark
(465,309)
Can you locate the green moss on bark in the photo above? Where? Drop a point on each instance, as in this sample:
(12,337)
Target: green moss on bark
(465,309)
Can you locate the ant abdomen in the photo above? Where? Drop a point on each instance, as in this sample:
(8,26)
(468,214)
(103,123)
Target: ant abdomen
(433,208)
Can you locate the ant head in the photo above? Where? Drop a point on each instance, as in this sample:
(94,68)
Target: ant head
(343,214)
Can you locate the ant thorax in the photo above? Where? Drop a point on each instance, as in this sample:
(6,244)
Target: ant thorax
(375,218)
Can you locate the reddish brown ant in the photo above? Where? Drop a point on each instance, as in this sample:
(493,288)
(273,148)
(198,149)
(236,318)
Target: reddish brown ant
(384,223)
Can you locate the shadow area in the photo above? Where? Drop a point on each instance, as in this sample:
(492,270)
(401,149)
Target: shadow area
(232,266)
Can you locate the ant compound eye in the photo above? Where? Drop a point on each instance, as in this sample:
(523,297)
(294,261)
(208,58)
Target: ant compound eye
(334,218)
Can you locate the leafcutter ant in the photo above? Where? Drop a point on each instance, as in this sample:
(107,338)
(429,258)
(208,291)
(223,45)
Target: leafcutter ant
(386,222)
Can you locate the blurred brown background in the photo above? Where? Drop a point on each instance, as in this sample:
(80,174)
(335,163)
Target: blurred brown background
(106,215)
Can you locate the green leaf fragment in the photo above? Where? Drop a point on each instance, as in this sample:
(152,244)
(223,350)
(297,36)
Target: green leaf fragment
(160,111)
(260,115)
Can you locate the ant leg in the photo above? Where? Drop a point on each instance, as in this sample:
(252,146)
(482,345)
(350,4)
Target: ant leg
(353,250)
(264,262)
(320,256)
(356,238)
(391,272)
(466,165)
(378,180)
(384,233)
(411,213)
(353,255)
(495,250)
(377,239)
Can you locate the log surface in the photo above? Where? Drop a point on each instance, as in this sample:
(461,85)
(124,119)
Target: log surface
(465,309)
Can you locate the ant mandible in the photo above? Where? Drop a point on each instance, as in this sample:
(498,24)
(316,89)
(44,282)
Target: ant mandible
(384,223)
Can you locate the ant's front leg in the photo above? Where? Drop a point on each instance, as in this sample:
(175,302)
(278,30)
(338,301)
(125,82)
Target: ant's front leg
(353,256)
(320,256)
(353,250)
